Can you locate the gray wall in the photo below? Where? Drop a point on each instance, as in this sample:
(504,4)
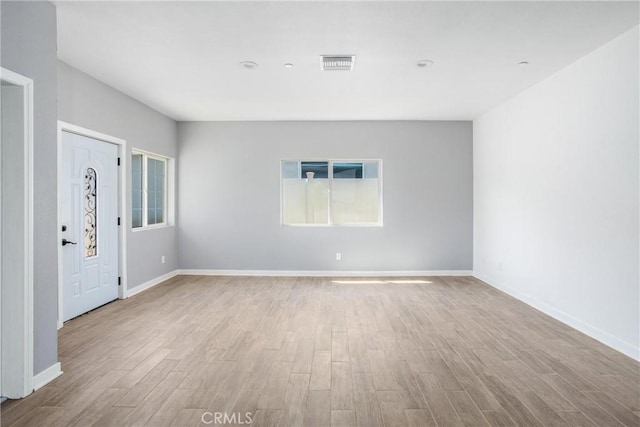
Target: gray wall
(86,102)
(28,39)
(229,196)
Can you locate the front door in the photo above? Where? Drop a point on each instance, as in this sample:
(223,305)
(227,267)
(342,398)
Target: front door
(89,215)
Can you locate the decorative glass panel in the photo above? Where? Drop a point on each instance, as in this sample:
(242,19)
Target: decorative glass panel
(90,213)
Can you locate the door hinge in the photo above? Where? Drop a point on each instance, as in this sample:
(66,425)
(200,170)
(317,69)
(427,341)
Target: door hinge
(118,161)
(118,220)
(119,281)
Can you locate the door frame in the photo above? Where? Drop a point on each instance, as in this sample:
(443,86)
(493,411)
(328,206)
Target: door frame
(18,335)
(123,207)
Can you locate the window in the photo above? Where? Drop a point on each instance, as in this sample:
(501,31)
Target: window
(149,189)
(331,192)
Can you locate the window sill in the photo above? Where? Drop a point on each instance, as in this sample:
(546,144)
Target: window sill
(151,227)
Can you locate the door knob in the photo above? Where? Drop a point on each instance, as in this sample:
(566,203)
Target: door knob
(67,242)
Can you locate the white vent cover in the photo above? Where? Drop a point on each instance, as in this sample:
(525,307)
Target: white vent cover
(337,62)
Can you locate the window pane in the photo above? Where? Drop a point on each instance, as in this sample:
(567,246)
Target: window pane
(305,200)
(290,170)
(160,201)
(137,218)
(355,193)
(136,190)
(355,201)
(155,191)
(370,169)
(347,170)
(319,169)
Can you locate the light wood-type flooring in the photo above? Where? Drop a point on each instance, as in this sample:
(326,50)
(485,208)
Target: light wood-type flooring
(312,352)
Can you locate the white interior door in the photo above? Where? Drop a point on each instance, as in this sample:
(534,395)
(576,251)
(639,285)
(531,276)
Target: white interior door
(89,215)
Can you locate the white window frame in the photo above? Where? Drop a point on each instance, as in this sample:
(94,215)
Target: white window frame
(145,224)
(330,179)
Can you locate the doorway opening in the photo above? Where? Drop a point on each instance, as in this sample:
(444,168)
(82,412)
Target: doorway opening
(16,223)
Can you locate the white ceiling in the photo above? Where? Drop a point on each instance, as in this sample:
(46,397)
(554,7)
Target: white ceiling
(182,58)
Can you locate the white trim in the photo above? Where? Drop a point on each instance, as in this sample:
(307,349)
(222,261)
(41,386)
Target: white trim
(46,376)
(323,273)
(151,227)
(123,209)
(587,329)
(27,321)
(29,250)
(151,283)
(135,150)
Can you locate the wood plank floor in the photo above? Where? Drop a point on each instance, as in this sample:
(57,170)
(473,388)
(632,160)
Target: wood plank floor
(309,351)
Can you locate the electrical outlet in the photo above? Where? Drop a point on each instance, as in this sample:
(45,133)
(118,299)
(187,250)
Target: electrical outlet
(162,259)
(338,256)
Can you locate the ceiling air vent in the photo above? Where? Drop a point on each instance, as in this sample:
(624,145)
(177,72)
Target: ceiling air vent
(337,62)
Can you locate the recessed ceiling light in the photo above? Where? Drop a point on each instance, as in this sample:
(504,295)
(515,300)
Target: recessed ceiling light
(288,65)
(249,65)
(523,63)
(424,63)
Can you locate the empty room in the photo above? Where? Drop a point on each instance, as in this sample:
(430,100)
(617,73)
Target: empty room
(320,213)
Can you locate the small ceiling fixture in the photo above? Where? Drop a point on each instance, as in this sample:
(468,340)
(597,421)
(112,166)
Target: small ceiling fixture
(288,65)
(249,65)
(523,63)
(424,63)
(337,62)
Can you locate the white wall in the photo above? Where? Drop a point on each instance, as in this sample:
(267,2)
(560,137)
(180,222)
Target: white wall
(86,102)
(556,190)
(229,196)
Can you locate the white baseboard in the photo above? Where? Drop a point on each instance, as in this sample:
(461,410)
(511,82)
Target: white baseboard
(151,283)
(587,329)
(322,273)
(46,376)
